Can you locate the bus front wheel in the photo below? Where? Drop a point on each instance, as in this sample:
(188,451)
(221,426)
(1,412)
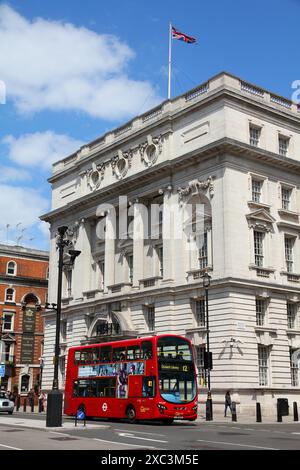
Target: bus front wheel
(131,414)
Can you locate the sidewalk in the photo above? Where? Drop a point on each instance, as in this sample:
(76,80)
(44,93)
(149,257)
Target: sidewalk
(41,424)
(220,419)
(20,418)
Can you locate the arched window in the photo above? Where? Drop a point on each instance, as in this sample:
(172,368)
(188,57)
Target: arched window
(11,268)
(31,299)
(9,295)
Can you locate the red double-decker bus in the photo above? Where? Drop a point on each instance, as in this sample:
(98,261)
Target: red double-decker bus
(138,379)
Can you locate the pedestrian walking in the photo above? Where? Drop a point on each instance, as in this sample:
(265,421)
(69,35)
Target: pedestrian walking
(30,397)
(227,403)
(42,399)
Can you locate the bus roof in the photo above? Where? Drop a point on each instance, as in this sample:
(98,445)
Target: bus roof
(127,341)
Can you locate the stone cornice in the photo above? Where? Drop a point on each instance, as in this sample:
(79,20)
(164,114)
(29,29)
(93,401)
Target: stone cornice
(24,281)
(166,168)
(168,111)
(157,291)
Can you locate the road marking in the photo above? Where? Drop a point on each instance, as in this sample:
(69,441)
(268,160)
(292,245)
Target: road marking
(295,433)
(122,443)
(131,436)
(10,447)
(139,432)
(234,444)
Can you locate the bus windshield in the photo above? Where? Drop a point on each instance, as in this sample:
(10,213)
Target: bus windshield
(176,372)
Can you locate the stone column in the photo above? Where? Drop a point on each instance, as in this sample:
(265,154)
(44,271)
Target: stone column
(139,212)
(170,209)
(109,252)
(82,265)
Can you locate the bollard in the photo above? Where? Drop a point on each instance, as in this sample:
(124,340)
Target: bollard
(233,411)
(258,413)
(24,404)
(18,404)
(209,408)
(32,405)
(295,407)
(279,415)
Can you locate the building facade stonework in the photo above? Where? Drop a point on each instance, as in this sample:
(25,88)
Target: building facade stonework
(232,149)
(23,292)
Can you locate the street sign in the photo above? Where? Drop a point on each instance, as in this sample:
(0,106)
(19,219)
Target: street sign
(80,414)
(2,370)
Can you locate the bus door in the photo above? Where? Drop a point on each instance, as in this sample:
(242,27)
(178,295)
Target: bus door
(147,402)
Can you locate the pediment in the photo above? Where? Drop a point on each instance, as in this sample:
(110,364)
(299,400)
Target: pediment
(260,219)
(261,214)
(8,338)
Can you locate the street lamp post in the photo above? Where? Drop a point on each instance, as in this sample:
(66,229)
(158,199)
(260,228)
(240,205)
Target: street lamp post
(208,356)
(55,396)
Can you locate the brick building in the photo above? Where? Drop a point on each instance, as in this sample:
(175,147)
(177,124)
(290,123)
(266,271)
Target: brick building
(23,293)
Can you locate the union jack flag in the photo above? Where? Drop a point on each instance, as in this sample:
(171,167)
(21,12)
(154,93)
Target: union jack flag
(182,37)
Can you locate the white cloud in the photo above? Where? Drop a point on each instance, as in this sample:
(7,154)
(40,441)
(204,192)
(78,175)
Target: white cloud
(9,174)
(57,66)
(40,149)
(20,205)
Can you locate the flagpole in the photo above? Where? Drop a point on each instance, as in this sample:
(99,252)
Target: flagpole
(170,61)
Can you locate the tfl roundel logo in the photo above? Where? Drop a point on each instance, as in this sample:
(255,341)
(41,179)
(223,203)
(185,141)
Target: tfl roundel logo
(104,407)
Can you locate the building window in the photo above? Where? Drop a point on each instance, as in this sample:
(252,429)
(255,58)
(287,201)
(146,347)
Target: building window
(261,308)
(286,198)
(150,317)
(203,253)
(291,310)
(102,273)
(69,282)
(263,365)
(11,268)
(289,248)
(283,144)
(9,295)
(62,368)
(25,379)
(160,253)
(7,322)
(256,190)
(200,352)
(254,133)
(130,267)
(63,331)
(199,307)
(258,248)
(7,356)
(294,369)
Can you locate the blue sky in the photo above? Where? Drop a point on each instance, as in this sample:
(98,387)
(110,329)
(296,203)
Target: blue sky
(74,70)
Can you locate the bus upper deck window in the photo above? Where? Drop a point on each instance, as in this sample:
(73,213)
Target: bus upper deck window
(105,355)
(147,351)
(96,354)
(86,356)
(133,352)
(76,357)
(119,354)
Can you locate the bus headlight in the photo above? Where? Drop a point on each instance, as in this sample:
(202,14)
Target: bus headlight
(195,408)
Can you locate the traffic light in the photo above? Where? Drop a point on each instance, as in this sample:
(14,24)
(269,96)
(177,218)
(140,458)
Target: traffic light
(208,360)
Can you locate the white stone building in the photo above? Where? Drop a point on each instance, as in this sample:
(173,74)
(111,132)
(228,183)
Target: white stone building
(235,148)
